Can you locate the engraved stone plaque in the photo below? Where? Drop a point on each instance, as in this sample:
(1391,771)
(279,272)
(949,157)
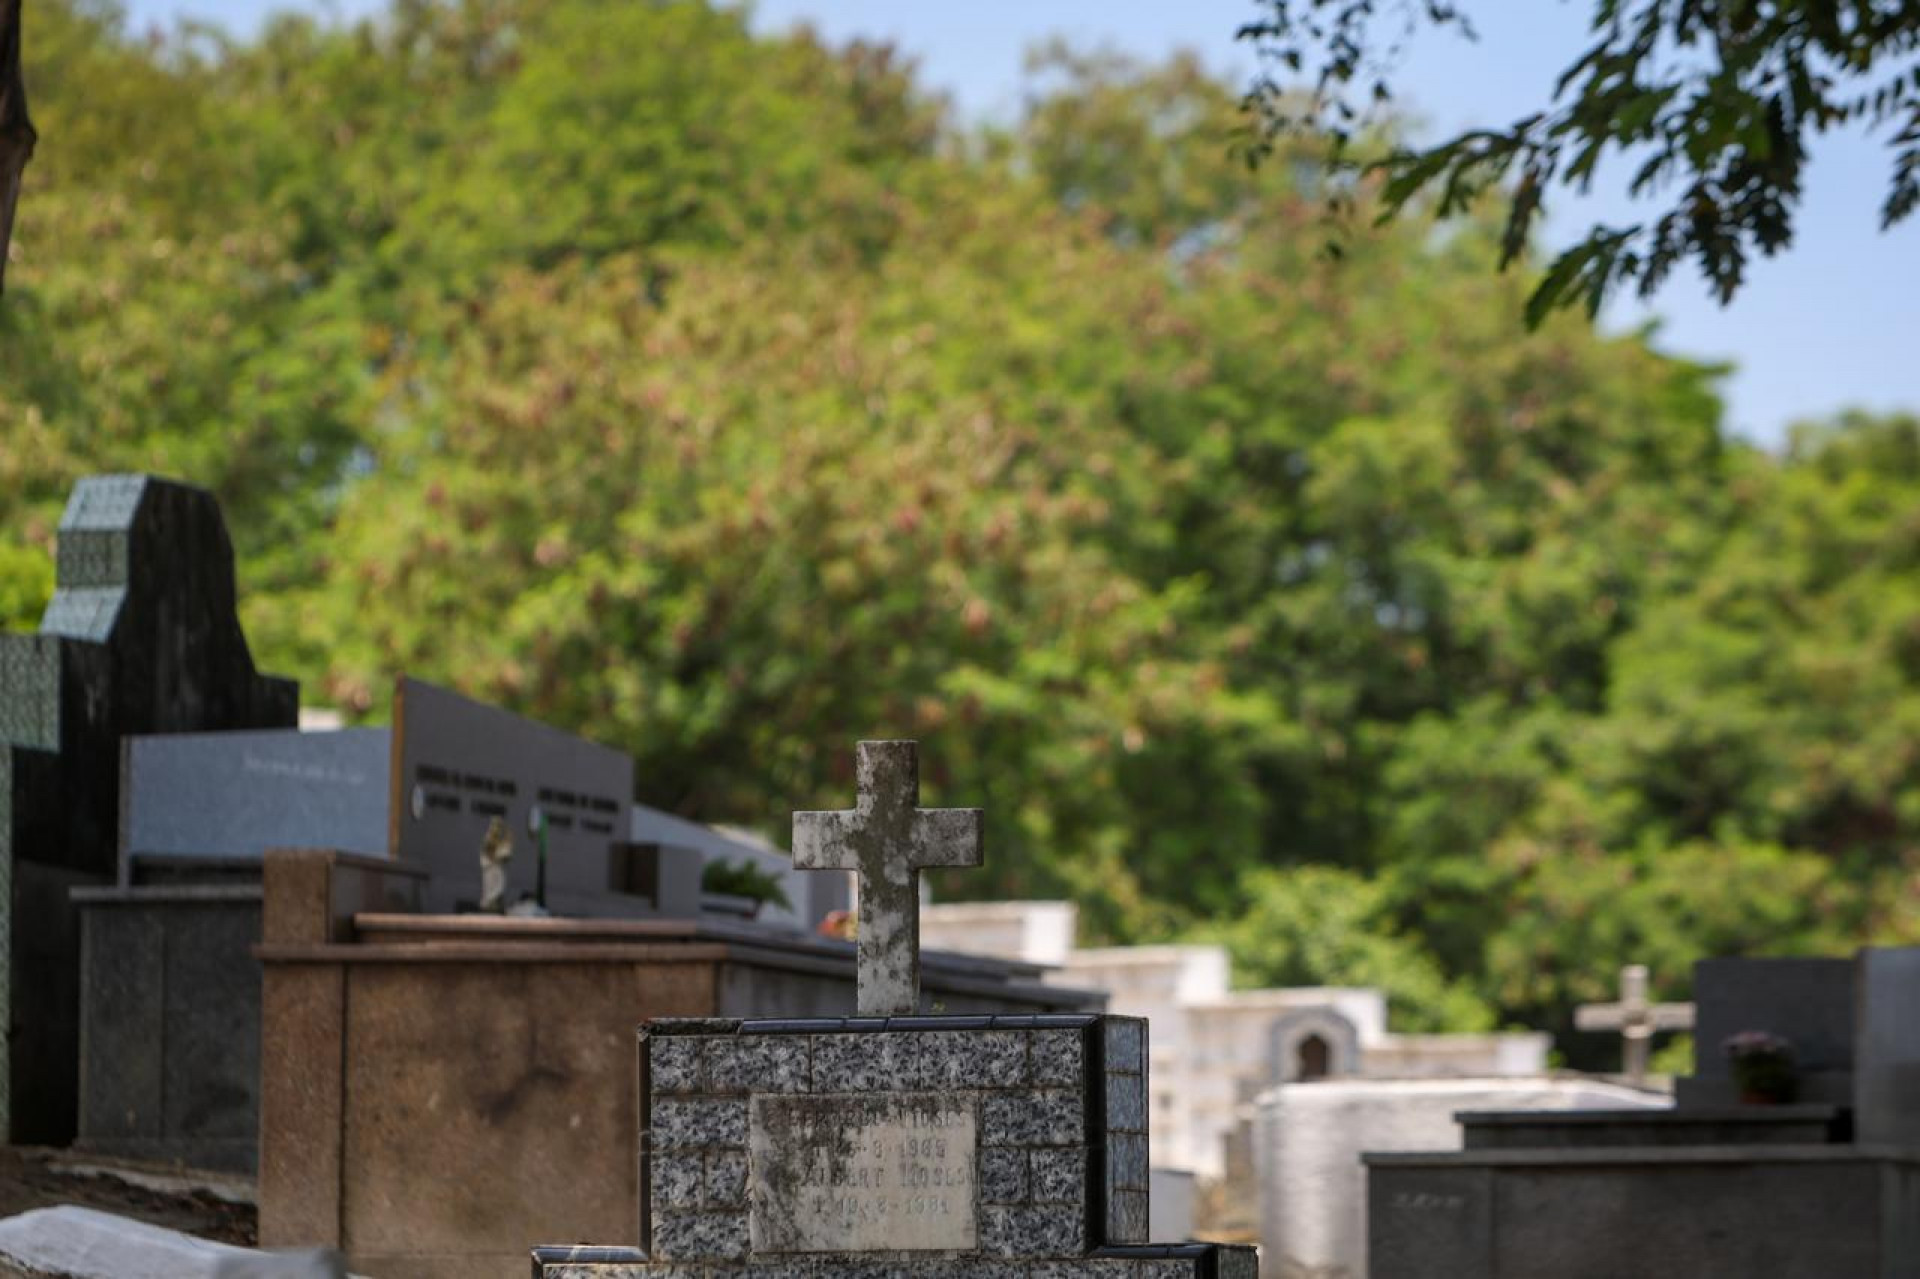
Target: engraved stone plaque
(886,1172)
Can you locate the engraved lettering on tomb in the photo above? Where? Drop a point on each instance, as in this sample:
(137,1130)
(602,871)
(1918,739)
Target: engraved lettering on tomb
(863,1173)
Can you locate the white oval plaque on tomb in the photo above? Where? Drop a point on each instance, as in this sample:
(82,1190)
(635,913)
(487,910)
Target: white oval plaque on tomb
(886,1172)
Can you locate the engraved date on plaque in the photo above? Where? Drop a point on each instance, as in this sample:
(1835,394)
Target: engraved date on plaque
(888,1172)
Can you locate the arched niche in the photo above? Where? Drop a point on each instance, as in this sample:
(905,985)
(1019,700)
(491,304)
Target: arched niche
(1312,1043)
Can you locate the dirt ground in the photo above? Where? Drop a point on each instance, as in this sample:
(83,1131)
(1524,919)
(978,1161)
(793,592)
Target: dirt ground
(210,1205)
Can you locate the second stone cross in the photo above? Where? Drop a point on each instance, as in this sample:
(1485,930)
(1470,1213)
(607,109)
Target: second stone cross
(887,839)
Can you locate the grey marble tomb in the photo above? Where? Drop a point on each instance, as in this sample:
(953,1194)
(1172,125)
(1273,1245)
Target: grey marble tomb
(893,1144)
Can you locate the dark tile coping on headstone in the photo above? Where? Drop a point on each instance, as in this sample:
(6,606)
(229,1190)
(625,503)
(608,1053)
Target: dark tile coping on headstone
(1601,1118)
(626,1254)
(1642,1156)
(1591,1129)
(166,877)
(865,1025)
(140,894)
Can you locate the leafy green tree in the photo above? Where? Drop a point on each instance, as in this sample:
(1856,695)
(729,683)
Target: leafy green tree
(769,534)
(1575,912)
(719,397)
(1319,926)
(1713,103)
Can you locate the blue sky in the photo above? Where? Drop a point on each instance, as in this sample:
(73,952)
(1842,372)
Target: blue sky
(1831,323)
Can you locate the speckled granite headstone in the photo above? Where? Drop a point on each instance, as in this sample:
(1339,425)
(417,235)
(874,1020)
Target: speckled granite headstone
(901,1145)
(141,636)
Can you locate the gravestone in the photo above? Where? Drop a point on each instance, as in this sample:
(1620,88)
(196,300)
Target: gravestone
(458,764)
(225,797)
(141,636)
(171,1014)
(1715,1188)
(1308,1141)
(422,795)
(1636,1019)
(899,1144)
(1810,1000)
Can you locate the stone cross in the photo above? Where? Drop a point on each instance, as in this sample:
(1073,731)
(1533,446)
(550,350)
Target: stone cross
(888,839)
(1634,1018)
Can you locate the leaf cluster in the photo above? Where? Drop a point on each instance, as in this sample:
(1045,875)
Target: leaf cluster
(1713,104)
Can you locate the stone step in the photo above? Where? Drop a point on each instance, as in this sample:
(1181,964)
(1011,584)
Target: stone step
(1706,1126)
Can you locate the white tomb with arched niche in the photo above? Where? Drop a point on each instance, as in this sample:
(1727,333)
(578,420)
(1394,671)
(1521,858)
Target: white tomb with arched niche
(1215,1048)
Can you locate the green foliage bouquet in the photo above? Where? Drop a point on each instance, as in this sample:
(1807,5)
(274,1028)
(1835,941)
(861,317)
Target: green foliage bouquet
(744,879)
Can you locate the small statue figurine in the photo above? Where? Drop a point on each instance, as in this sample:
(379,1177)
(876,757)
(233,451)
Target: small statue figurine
(495,852)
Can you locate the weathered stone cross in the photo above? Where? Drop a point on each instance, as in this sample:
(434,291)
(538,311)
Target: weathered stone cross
(888,839)
(1634,1018)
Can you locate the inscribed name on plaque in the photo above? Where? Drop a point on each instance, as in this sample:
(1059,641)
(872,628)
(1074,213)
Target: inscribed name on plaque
(890,1172)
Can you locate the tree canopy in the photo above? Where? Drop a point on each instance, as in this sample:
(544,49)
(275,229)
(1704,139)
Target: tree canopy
(1712,103)
(720,397)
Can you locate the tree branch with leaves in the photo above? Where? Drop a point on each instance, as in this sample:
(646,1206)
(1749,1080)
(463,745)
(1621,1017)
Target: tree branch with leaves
(1712,102)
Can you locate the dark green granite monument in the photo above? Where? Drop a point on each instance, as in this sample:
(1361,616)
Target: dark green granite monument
(141,636)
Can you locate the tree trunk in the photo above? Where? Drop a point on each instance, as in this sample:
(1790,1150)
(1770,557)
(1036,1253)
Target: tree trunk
(16,130)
